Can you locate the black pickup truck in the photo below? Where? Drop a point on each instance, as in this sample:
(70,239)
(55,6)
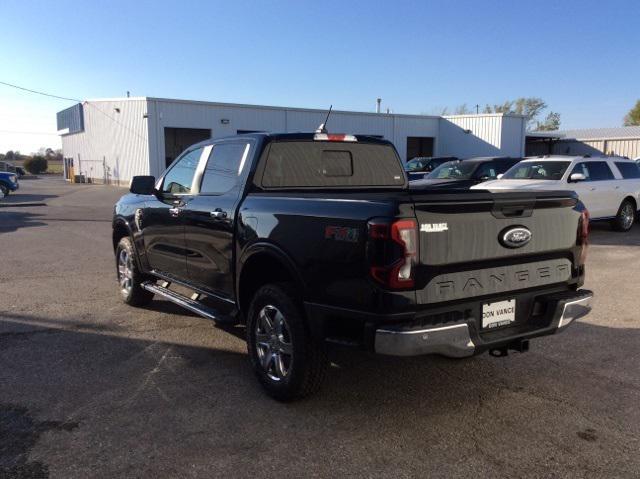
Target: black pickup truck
(318,239)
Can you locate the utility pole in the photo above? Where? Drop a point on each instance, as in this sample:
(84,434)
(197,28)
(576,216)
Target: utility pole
(477,109)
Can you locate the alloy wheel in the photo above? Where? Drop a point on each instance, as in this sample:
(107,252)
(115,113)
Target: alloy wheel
(273,343)
(125,272)
(627,216)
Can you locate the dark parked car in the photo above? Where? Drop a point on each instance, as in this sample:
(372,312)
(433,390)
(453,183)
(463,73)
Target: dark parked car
(466,173)
(418,167)
(8,182)
(313,240)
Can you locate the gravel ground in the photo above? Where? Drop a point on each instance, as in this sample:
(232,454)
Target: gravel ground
(92,388)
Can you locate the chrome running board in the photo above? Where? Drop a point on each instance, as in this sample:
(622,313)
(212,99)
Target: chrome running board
(185,302)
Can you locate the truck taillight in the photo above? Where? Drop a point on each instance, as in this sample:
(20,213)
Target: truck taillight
(583,235)
(393,252)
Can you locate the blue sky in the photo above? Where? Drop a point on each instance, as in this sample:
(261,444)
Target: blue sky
(581,57)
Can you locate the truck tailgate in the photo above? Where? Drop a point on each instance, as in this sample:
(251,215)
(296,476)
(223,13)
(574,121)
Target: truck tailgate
(464,253)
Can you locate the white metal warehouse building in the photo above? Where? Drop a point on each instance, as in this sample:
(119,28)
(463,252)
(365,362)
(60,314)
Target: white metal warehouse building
(112,140)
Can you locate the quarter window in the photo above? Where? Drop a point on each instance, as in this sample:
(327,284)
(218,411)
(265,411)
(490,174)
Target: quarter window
(223,168)
(628,170)
(179,178)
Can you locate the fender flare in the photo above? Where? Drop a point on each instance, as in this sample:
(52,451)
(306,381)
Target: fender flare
(277,253)
(122,221)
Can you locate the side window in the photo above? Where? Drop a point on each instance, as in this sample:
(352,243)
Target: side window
(599,171)
(178,179)
(628,170)
(224,167)
(486,170)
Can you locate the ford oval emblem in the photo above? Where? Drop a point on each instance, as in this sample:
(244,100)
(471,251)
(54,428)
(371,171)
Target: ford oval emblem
(515,237)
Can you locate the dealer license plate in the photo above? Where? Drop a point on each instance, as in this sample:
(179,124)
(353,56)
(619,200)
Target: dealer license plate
(501,313)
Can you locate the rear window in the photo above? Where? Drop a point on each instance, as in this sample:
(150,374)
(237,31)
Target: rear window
(307,164)
(628,170)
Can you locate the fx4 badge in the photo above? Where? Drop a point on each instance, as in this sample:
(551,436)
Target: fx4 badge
(515,237)
(341,233)
(434,227)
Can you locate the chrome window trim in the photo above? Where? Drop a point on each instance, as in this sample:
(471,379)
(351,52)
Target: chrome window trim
(245,155)
(202,164)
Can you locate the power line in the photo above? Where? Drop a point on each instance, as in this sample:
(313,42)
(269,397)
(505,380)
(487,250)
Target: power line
(51,95)
(29,132)
(39,92)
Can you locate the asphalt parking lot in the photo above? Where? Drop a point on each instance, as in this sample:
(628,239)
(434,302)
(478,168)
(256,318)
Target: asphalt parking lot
(92,388)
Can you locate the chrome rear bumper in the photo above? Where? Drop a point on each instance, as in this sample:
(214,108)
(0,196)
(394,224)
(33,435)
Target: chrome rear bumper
(574,310)
(455,340)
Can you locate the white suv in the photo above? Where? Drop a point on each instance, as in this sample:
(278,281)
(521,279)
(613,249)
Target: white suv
(608,186)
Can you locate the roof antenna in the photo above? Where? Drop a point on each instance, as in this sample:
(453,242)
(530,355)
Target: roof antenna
(323,126)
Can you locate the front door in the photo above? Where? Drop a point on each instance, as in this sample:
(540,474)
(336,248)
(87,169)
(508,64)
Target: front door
(161,220)
(210,218)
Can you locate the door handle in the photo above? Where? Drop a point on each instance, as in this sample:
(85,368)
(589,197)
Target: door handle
(174,211)
(218,214)
(618,187)
(593,188)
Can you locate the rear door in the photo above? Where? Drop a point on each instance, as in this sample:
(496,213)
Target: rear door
(210,216)
(161,219)
(597,192)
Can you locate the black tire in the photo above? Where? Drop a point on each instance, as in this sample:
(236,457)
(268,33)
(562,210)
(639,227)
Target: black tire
(129,276)
(306,366)
(4,190)
(625,217)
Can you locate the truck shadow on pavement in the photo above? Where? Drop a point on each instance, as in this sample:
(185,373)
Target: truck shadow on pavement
(18,198)
(14,220)
(112,393)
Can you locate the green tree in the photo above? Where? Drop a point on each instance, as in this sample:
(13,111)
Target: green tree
(550,123)
(36,164)
(633,117)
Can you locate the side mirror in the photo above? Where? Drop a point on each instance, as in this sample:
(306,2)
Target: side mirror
(575,177)
(142,185)
(499,176)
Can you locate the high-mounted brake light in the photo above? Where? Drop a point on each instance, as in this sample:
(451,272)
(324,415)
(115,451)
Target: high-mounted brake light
(334,137)
(393,252)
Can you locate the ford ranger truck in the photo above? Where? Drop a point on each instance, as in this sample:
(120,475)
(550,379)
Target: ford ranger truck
(317,239)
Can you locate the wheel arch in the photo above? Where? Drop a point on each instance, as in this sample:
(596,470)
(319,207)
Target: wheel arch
(264,263)
(120,229)
(633,201)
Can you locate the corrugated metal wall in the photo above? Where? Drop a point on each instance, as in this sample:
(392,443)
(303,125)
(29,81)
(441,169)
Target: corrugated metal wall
(629,147)
(465,136)
(117,145)
(187,114)
(71,120)
(114,145)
